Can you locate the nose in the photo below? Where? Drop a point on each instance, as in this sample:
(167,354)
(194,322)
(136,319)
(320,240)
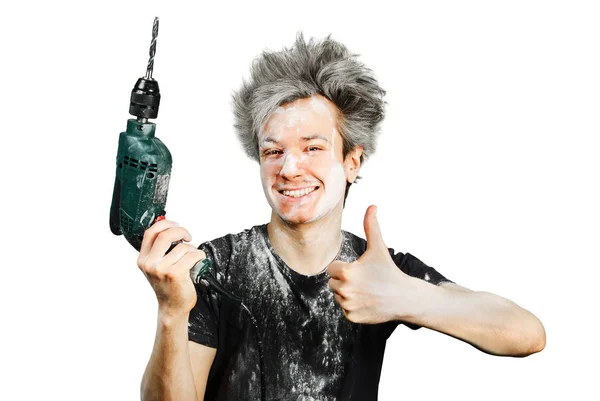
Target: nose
(292,166)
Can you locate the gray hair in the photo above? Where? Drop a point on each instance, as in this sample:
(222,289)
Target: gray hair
(324,67)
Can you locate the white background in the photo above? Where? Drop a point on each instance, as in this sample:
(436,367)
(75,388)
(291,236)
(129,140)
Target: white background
(487,169)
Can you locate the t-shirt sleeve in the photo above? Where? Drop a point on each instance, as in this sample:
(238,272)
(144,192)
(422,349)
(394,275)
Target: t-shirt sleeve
(415,268)
(203,321)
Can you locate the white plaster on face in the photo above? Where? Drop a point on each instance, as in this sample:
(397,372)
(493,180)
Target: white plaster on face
(295,115)
(290,117)
(333,191)
(297,167)
(332,150)
(332,188)
(318,105)
(290,164)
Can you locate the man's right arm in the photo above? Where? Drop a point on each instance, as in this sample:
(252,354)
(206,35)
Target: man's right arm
(201,358)
(177,369)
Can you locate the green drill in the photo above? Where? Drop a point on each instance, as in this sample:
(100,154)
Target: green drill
(143,172)
(143,163)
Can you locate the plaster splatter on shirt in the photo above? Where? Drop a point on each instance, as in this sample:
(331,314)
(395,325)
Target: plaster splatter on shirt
(311,351)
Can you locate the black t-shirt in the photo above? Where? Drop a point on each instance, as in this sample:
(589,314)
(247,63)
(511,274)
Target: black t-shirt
(311,351)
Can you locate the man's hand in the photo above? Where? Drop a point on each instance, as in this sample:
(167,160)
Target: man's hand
(169,275)
(372,288)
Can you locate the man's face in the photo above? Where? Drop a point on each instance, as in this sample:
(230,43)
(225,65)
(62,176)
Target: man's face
(302,168)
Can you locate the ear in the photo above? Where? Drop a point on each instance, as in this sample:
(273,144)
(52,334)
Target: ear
(352,163)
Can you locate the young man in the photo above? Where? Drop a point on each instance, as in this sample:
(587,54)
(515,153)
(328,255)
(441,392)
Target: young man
(325,301)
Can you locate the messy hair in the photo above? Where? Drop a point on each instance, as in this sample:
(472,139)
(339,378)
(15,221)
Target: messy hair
(324,67)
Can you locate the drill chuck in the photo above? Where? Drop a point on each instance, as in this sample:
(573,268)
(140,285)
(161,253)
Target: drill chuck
(145,99)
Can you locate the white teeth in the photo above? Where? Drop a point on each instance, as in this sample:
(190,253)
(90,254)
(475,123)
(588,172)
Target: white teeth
(299,192)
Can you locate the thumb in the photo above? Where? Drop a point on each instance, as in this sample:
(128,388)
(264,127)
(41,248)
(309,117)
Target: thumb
(372,230)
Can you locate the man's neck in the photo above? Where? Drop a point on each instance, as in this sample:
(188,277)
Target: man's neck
(307,248)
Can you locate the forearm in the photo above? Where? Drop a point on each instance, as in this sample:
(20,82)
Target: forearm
(168,375)
(487,321)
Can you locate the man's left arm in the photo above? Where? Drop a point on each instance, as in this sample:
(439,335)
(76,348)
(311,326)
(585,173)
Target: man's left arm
(373,290)
(487,321)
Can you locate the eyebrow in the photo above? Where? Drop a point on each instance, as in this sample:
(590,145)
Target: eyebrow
(304,138)
(315,136)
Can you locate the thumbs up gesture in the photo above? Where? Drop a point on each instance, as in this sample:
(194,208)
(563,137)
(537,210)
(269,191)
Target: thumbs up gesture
(371,289)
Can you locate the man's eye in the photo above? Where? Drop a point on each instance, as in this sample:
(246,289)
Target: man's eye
(313,148)
(272,152)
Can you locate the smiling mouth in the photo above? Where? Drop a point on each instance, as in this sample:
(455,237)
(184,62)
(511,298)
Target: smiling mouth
(297,193)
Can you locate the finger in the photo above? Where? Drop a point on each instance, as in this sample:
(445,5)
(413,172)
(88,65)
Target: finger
(337,270)
(340,300)
(150,236)
(336,286)
(178,252)
(183,266)
(163,242)
(372,230)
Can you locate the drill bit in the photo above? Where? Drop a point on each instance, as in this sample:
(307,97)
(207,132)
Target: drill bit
(152,49)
